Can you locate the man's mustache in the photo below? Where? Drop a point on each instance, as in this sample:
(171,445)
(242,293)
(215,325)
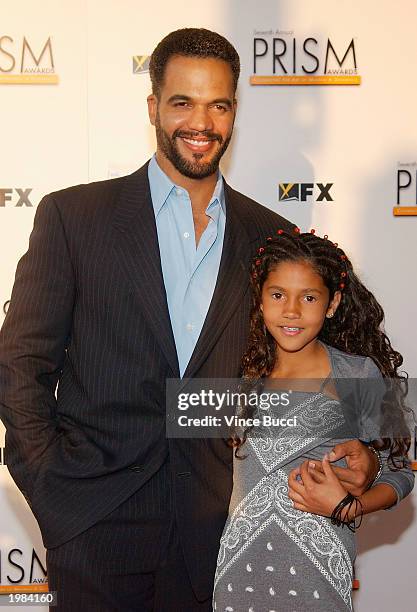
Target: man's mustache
(190,135)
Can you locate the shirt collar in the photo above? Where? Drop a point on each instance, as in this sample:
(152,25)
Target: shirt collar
(161,187)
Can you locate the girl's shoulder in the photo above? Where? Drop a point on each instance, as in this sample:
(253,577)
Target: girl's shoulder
(346,365)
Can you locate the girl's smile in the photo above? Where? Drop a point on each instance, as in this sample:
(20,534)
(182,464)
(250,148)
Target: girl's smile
(291,331)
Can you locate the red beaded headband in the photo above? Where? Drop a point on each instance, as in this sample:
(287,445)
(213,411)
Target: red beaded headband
(297,231)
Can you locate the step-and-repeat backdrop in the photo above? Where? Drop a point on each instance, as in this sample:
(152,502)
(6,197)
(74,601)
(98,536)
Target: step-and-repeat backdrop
(326,135)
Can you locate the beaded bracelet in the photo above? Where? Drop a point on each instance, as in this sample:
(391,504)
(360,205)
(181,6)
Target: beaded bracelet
(380,468)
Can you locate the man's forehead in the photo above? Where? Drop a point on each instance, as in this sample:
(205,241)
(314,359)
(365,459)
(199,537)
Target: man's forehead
(191,60)
(210,70)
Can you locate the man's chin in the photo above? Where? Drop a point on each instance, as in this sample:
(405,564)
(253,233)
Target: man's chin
(196,169)
(200,172)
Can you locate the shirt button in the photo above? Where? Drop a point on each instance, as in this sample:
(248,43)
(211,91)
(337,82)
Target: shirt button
(178,191)
(186,235)
(189,327)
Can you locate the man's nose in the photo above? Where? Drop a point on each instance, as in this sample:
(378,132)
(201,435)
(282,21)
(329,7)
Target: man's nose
(200,120)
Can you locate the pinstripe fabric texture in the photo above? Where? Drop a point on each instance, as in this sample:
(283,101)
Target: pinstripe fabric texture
(82,584)
(88,316)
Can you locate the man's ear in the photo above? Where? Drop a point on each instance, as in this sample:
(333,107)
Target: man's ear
(152,101)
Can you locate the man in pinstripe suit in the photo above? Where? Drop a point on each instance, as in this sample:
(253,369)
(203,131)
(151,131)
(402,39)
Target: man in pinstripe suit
(127,283)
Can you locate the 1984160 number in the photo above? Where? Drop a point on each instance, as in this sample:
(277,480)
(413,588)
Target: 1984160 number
(31,598)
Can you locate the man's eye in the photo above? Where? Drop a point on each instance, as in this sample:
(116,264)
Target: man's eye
(181,104)
(220,107)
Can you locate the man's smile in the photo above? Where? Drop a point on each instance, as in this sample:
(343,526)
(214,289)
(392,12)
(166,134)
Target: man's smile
(197,144)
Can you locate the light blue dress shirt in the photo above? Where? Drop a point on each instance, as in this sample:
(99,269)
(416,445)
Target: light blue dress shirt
(190,273)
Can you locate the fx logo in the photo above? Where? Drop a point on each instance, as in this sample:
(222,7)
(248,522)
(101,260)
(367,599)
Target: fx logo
(140,64)
(407,183)
(22,195)
(298,192)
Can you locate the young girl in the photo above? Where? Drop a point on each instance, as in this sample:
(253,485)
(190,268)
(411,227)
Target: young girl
(288,544)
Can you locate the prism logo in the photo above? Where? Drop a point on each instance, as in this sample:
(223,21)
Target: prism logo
(281,58)
(406,205)
(27,63)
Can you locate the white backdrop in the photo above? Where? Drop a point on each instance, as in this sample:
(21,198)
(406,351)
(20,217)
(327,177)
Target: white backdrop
(93,125)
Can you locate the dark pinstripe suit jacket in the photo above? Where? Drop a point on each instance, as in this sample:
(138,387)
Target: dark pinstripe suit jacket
(89,313)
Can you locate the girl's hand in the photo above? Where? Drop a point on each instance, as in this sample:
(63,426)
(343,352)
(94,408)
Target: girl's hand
(362,466)
(315,495)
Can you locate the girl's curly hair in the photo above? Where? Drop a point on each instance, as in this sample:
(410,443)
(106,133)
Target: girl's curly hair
(355,328)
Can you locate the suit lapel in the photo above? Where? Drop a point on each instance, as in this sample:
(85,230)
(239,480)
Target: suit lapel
(137,251)
(232,281)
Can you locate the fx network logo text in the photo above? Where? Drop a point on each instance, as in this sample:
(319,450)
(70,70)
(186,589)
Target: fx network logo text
(18,197)
(299,192)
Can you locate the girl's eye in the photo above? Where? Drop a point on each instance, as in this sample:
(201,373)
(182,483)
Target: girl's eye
(310,298)
(277,295)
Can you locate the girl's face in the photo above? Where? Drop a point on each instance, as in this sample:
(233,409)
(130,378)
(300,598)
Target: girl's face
(295,302)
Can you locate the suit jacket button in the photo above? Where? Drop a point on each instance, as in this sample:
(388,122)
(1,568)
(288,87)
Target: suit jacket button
(136,468)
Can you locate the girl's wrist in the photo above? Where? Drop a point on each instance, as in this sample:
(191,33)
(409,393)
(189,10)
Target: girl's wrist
(349,512)
(353,511)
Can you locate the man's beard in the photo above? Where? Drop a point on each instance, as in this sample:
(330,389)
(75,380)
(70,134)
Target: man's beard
(191,169)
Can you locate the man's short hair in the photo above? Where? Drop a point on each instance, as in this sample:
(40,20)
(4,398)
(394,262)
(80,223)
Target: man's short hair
(191,42)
